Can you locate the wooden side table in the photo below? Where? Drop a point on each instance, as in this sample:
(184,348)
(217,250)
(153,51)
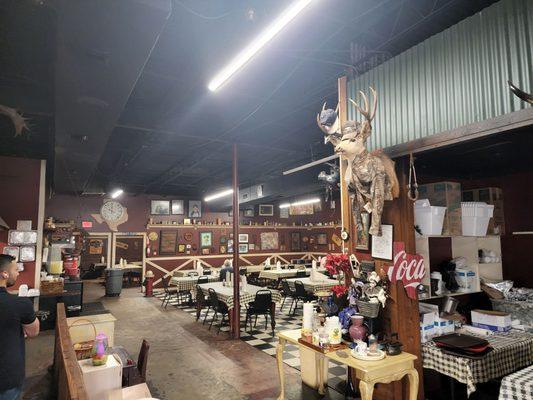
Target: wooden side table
(391,368)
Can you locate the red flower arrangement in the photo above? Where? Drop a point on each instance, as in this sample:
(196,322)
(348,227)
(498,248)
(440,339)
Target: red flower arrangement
(336,263)
(339,290)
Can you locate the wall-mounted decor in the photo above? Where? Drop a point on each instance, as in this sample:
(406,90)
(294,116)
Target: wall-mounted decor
(223,239)
(27,254)
(12,251)
(266,210)
(303,209)
(96,246)
(222,249)
(295,241)
(153,236)
(249,212)
(181,248)
(186,221)
(305,239)
(230,246)
(112,213)
(206,239)
(188,236)
(336,239)
(243,238)
(177,207)
(160,207)
(251,246)
(322,238)
(167,243)
(363,237)
(195,209)
(243,248)
(206,251)
(382,245)
(269,240)
(282,247)
(407,268)
(284,212)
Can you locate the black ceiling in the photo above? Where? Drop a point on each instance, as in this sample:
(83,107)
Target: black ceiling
(118,94)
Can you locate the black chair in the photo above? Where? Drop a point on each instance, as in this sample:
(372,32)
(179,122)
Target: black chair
(200,297)
(286,291)
(300,294)
(260,306)
(218,306)
(169,292)
(301,274)
(203,279)
(207,272)
(253,278)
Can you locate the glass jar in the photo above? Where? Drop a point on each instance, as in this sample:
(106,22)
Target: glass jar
(99,352)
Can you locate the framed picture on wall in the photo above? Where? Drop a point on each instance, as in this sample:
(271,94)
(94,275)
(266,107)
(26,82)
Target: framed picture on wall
(322,238)
(181,248)
(382,245)
(243,248)
(223,239)
(168,241)
(266,210)
(160,207)
(249,212)
(295,241)
(251,246)
(206,239)
(284,212)
(363,237)
(206,251)
(177,207)
(195,209)
(243,238)
(230,246)
(222,249)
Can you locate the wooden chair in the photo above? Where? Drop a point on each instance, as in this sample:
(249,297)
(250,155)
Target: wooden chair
(260,306)
(139,375)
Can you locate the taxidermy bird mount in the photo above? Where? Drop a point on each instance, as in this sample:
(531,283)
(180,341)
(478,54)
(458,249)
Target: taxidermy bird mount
(18,120)
(370,176)
(330,180)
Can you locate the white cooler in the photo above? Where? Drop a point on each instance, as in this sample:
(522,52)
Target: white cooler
(429,218)
(103,379)
(476,217)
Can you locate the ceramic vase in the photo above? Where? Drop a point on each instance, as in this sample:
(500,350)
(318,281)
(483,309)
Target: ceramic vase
(358,330)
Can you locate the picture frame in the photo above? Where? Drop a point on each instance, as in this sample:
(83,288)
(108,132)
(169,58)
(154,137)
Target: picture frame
(206,251)
(222,249)
(251,246)
(160,207)
(269,240)
(243,238)
(177,207)
(168,241)
(266,210)
(206,239)
(243,248)
(322,239)
(230,246)
(296,241)
(223,239)
(284,213)
(181,248)
(186,221)
(195,209)
(382,246)
(249,212)
(363,236)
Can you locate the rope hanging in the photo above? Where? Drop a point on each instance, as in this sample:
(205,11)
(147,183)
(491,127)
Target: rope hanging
(413,196)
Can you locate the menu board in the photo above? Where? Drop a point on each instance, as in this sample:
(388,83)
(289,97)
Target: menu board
(168,242)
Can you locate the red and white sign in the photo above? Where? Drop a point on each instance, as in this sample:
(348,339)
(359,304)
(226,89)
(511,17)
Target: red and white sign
(86,224)
(407,268)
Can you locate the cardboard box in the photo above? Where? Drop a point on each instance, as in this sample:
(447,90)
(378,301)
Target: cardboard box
(493,320)
(445,194)
(494,196)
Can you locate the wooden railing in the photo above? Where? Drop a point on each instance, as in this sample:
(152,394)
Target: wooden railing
(67,372)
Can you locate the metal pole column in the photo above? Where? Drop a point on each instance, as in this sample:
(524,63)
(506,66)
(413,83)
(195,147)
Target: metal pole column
(236,328)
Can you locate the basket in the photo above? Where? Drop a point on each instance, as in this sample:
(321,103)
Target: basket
(367,309)
(51,287)
(84,349)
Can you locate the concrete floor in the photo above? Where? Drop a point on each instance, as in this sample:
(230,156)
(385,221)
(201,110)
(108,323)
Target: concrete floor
(186,361)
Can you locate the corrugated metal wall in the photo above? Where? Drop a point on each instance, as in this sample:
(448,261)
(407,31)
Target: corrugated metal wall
(454,78)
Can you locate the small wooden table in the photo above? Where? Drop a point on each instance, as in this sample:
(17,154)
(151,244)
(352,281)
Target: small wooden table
(391,368)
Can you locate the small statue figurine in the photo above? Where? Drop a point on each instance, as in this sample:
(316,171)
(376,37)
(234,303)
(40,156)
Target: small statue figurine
(373,292)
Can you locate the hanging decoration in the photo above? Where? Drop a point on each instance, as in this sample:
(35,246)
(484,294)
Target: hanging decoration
(412,189)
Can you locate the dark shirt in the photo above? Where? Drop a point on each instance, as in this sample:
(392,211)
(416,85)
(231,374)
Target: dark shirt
(224,271)
(14,311)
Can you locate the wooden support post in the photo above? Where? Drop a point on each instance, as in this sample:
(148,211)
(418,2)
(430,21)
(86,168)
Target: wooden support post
(236,320)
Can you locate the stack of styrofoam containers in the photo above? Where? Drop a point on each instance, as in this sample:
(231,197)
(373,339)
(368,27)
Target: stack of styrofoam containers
(429,218)
(476,217)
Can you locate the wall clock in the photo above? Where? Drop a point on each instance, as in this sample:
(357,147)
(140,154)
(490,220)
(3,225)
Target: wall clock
(112,213)
(153,236)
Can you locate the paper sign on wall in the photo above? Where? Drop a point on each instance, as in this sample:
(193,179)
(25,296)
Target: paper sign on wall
(407,268)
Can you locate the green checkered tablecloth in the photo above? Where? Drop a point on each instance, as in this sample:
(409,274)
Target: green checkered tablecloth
(313,286)
(225,293)
(189,283)
(276,274)
(512,351)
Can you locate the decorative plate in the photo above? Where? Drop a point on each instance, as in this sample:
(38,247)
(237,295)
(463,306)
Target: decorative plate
(305,239)
(366,357)
(188,236)
(153,236)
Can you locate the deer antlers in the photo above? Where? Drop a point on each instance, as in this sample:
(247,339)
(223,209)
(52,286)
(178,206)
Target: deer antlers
(366,111)
(323,128)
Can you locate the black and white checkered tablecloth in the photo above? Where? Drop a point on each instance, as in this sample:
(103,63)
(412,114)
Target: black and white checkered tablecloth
(518,386)
(313,287)
(225,294)
(512,351)
(189,283)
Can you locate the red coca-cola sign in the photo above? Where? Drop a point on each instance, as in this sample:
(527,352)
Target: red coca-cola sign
(407,268)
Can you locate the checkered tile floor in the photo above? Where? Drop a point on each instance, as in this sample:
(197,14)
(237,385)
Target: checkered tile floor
(262,338)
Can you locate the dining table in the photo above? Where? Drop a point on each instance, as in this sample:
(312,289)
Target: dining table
(186,283)
(247,296)
(314,286)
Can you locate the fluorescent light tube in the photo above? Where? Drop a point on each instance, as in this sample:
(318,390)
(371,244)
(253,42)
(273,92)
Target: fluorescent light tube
(219,195)
(116,193)
(285,205)
(244,56)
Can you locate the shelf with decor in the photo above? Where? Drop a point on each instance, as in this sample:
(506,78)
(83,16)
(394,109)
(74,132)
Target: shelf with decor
(204,226)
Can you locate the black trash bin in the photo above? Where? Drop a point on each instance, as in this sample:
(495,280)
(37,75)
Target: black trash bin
(113,281)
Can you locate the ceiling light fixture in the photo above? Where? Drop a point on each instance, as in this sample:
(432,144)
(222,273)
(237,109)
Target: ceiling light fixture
(219,195)
(285,205)
(244,56)
(116,193)
(300,203)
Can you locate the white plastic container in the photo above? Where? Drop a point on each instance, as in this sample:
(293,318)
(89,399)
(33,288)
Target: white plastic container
(476,217)
(429,218)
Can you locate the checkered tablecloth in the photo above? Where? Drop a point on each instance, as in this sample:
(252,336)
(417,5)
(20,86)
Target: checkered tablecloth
(225,294)
(313,287)
(189,282)
(278,274)
(512,351)
(518,386)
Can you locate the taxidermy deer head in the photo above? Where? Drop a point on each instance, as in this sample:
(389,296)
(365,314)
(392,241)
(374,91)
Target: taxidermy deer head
(18,120)
(520,94)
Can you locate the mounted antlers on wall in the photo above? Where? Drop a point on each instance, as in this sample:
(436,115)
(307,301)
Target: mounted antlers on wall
(520,93)
(370,177)
(18,120)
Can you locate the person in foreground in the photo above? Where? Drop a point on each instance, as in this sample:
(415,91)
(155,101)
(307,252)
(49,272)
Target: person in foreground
(17,320)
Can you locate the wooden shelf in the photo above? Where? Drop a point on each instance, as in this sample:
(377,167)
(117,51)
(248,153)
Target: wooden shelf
(450,294)
(196,226)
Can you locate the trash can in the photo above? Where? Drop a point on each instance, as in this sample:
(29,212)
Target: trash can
(113,281)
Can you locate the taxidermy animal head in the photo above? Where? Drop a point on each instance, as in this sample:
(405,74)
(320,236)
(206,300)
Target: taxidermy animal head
(18,120)
(332,178)
(528,98)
